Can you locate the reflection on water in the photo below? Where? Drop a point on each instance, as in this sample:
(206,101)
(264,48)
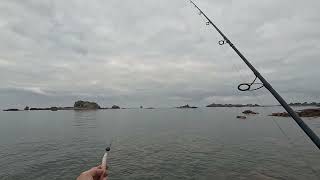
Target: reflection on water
(85,119)
(156,144)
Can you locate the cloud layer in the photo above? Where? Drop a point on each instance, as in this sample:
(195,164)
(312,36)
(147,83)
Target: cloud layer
(155,53)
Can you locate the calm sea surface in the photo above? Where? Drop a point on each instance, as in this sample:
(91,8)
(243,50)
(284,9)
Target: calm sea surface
(205,143)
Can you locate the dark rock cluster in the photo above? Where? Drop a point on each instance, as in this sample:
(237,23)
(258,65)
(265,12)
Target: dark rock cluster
(247,112)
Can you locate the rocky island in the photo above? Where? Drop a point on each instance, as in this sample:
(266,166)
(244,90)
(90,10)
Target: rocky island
(233,105)
(187,107)
(304,104)
(78,106)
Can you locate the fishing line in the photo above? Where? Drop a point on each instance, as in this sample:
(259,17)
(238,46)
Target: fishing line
(110,136)
(264,83)
(248,87)
(293,145)
(283,132)
(290,141)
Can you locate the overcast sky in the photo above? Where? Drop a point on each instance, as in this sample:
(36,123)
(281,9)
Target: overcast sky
(155,52)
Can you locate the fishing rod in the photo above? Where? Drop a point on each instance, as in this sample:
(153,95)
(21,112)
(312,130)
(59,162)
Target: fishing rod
(264,83)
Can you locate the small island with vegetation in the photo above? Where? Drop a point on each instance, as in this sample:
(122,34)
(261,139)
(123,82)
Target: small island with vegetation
(86,105)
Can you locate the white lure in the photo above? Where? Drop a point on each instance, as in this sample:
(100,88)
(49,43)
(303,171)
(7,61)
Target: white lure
(105,158)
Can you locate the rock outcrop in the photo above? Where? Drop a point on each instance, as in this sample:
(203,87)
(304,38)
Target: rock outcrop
(86,105)
(301,113)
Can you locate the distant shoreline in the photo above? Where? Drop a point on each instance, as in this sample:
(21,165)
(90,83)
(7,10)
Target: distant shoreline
(85,105)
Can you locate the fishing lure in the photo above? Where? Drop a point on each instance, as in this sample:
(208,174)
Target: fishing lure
(105,157)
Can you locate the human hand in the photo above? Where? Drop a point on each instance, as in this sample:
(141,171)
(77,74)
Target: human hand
(95,173)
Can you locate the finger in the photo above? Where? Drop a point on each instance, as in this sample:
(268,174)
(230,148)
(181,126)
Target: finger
(103,178)
(99,167)
(95,172)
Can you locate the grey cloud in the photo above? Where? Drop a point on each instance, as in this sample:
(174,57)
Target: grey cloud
(158,53)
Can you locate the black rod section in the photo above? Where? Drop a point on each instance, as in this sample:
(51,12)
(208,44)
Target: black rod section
(311,134)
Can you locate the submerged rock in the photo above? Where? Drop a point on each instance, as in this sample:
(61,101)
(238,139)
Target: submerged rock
(241,117)
(115,107)
(54,108)
(249,112)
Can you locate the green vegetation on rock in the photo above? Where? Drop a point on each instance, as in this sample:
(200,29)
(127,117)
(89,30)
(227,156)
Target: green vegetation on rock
(86,105)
